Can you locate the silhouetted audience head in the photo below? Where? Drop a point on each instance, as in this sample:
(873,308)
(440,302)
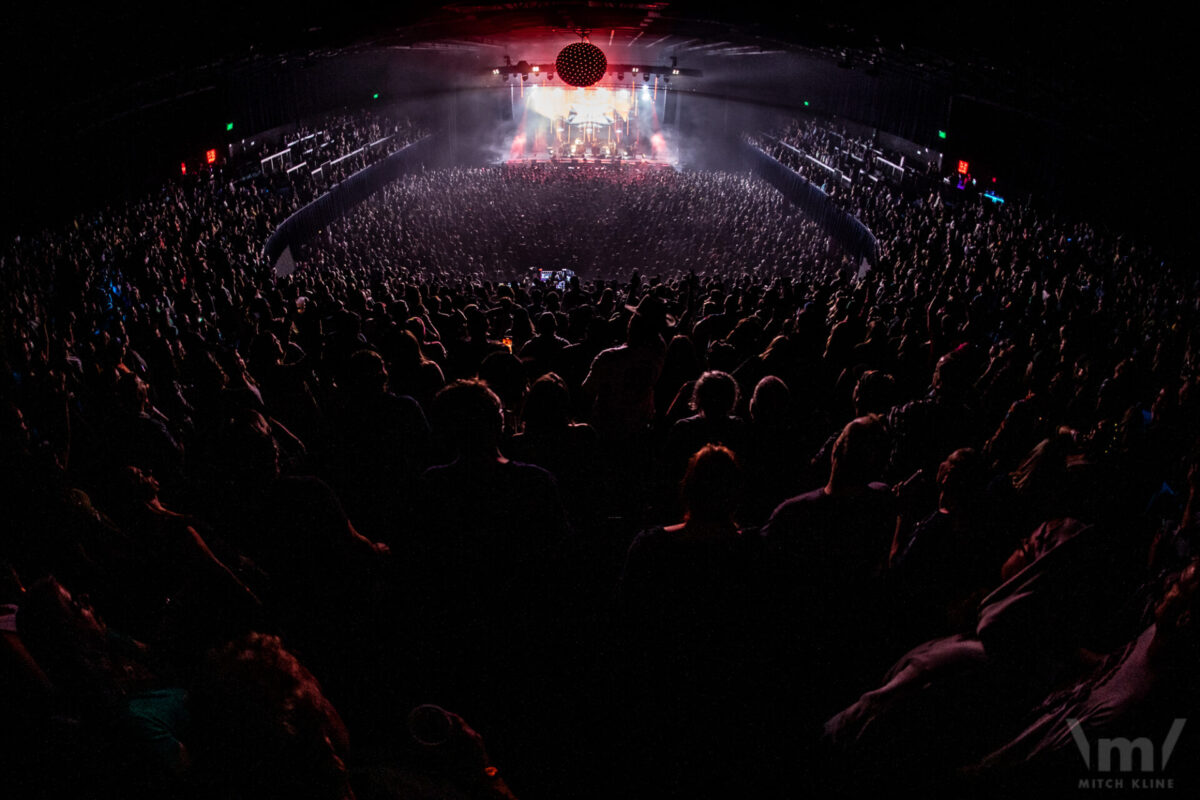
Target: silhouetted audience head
(469,415)
(770,401)
(859,453)
(1045,466)
(504,374)
(642,330)
(72,644)
(262,728)
(712,485)
(548,404)
(715,394)
(133,392)
(961,477)
(547,324)
(951,376)
(874,393)
(59,628)
(246,448)
(366,373)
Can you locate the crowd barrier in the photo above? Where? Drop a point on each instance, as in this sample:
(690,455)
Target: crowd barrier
(331,206)
(845,229)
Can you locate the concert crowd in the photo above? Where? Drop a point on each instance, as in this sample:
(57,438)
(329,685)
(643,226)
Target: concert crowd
(592,481)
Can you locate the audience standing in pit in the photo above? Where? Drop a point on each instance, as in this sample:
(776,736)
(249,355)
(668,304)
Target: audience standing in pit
(410,473)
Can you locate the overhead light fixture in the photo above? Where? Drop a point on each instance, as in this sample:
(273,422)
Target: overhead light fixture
(581,63)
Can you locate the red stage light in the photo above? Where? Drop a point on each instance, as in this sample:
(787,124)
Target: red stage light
(210,156)
(581,64)
(963,167)
(183,168)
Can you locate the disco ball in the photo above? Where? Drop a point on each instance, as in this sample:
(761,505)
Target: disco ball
(581,64)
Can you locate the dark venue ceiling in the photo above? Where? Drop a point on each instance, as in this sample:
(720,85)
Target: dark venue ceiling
(1107,75)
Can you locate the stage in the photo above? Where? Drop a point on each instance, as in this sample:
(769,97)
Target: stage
(607,124)
(640,162)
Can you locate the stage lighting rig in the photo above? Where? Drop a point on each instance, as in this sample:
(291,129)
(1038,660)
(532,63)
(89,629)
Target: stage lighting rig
(581,63)
(584,64)
(616,71)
